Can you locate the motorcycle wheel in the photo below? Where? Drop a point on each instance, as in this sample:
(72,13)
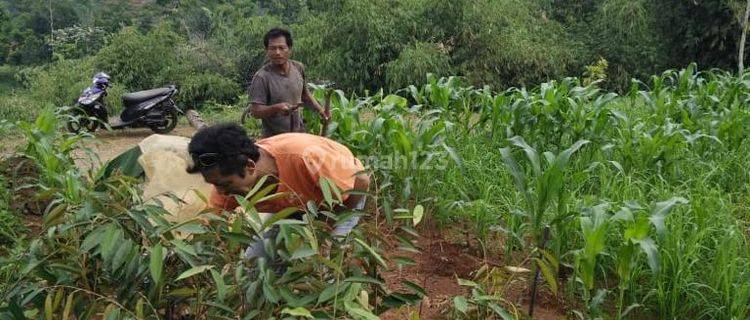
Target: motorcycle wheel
(80,122)
(170,122)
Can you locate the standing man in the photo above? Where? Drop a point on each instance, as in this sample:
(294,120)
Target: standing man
(279,87)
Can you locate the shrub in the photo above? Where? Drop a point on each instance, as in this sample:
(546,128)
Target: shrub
(627,38)
(512,42)
(352,49)
(138,61)
(77,41)
(108,252)
(198,88)
(58,83)
(8,79)
(415,61)
(10,224)
(16,106)
(238,40)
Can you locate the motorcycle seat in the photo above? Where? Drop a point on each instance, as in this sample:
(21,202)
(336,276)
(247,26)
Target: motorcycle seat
(140,96)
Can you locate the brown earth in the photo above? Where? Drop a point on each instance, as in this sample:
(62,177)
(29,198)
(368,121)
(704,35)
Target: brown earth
(444,258)
(110,144)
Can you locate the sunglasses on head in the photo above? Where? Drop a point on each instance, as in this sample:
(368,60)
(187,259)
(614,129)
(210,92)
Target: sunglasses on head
(208,159)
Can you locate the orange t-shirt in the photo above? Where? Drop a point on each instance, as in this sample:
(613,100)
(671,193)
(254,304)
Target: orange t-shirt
(302,159)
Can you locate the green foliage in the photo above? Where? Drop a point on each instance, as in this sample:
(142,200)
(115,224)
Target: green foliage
(352,49)
(671,138)
(595,72)
(26,49)
(76,42)
(235,49)
(680,135)
(139,61)
(512,42)
(481,304)
(104,250)
(11,227)
(59,83)
(201,87)
(15,106)
(632,47)
(400,144)
(26,25)
(415,62)
(506,43)
(705,32)
(8,80)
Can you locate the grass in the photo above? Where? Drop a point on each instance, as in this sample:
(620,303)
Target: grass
(648,150)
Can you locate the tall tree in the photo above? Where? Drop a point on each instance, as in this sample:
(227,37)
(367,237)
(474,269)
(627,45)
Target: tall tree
(741,53)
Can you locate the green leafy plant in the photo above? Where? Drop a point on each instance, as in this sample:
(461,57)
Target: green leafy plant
(546,188)
(106,252)
(485,300)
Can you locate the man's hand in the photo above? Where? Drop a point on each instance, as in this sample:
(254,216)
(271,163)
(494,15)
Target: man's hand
(285,108)
(282,108)
(261,111)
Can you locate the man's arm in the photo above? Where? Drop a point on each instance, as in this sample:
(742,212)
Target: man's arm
(361,184)
(309,101)
(353,202)
(260,111)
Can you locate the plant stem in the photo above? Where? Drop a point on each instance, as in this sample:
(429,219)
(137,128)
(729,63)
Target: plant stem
(536,272)
(619,303)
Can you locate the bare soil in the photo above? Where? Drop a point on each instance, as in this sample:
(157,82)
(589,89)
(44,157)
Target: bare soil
(444,258)
(110,144)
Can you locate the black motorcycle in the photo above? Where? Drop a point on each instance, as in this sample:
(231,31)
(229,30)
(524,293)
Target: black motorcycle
(152,109)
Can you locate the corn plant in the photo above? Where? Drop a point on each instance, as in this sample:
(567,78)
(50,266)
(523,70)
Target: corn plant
(594,228)
(479,304)
(545,190)
(400,143)
(558,113)
(596,225)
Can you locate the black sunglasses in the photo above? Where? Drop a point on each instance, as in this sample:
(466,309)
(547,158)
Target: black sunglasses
(208,159)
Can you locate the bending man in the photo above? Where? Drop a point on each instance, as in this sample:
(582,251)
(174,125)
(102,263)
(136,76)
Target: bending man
(232,162)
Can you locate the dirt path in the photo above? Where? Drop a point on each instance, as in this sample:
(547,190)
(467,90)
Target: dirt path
(110,144)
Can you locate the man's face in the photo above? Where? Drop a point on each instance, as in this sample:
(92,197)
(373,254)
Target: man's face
(277,51)
(233,184)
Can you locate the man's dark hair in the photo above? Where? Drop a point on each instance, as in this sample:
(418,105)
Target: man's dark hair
(275,33)
(230,144)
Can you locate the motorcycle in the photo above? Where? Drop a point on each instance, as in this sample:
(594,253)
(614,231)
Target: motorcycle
(153,109)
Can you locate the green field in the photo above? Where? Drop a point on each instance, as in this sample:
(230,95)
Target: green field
(524,154)
(630,206)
